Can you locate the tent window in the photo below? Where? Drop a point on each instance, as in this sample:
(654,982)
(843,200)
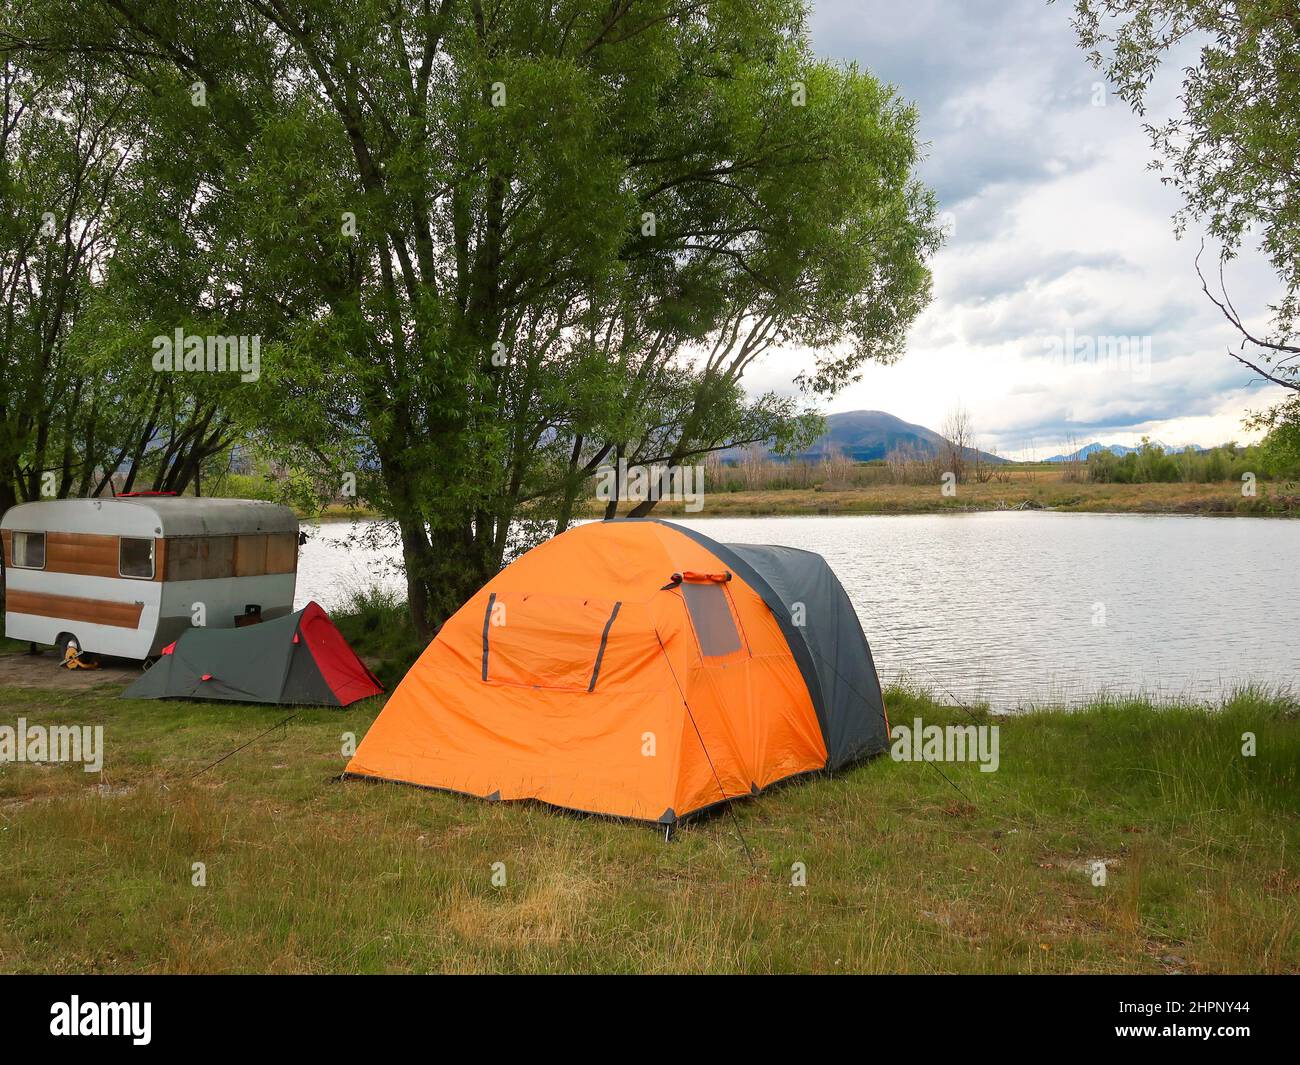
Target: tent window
(711,617)
(542,641)
(29,550)
(135,556)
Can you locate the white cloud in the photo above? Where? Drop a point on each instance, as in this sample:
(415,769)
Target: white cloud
(1059,225)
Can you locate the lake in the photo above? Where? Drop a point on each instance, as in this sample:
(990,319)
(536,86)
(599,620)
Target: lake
(1014,609)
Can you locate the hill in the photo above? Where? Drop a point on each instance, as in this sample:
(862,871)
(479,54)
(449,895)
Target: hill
(870,435)
(1119,449)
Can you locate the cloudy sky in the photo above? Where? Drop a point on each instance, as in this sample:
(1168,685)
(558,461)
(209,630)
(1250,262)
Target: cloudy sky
(1056,226)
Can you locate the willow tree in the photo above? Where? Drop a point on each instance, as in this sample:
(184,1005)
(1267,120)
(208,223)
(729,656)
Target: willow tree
(499,242)
(99,253)
(59,157)
(1229,149)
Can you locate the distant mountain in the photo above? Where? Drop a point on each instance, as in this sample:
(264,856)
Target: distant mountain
(1120,449)
(868,435)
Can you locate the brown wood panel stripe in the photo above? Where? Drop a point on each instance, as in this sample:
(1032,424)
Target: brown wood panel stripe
(74,608)
(87,554)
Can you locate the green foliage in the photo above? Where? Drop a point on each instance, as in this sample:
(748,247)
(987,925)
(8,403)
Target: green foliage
(1275,457)
(1231,152)
(1281,448)
(486,255)
(377,623)
(57,170)
(249,486)
(110,236)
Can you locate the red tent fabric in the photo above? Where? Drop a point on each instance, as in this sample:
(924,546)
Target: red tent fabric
(345,673)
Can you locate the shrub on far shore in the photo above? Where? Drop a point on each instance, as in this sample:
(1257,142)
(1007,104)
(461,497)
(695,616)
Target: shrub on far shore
(1151,463)
(376,622)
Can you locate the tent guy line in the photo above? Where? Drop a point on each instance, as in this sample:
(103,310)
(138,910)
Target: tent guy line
(668,829)
(228,754)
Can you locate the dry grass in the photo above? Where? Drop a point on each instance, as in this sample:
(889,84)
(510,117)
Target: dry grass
(842,487)
(903,873)
(1024,489)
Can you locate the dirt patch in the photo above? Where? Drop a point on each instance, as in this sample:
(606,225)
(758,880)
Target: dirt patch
(98,791)
(44,671)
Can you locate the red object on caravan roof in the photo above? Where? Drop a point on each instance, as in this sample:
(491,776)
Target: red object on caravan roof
(132,495)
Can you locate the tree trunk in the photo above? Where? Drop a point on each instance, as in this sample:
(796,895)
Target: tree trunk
(8,498)
(611,506)
(417,561)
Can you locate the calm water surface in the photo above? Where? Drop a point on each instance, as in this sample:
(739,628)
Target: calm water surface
(1014,609)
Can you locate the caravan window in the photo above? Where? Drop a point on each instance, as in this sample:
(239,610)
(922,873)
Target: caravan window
(200,558)
(135,556)
(29,550)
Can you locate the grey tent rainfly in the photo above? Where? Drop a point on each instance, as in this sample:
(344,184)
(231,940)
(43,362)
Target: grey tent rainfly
(299,659)
(825,637)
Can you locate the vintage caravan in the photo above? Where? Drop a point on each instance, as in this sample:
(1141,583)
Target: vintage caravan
(126,576)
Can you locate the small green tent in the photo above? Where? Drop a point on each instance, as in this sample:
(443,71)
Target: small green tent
(300,658)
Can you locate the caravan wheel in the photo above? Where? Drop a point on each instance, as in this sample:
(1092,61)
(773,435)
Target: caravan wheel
(73,656)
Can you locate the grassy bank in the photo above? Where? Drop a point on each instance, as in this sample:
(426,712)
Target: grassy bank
(1016,487)
(1026,490)
(903,871)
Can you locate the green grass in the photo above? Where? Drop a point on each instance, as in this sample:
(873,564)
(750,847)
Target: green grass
(904,873)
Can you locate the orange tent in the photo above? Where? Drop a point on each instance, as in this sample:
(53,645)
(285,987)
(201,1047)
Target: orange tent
(639,669)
